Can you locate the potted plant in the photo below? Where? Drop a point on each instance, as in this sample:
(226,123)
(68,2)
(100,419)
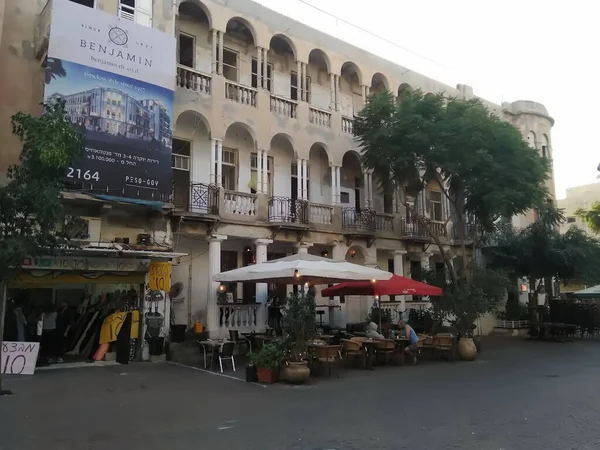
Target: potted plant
(299,326)
(268,362)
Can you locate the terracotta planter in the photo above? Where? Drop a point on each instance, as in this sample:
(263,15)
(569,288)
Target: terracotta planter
(296,372)
(267,376)
(467,349)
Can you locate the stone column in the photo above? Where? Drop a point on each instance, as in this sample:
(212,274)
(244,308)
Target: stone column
(299,176)
(331,91)
(399,270)
(214,267)
(262,289)
(333,185)
(214,65)
(259,172)
(336,89)
(299,80)
(219,162)
(305,82)
(265,174)
(265,73)
(305,179)
(213,161)
(366,183)
(259,77)
(338,184)
(338,253)
(220,53)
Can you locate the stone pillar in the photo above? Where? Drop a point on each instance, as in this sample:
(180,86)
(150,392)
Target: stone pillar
(303,247)
(259,77)
(214,65)
(336,89)
(331,91)
(214,267)
(265,172)
(299,176)
(265,73)
(220,53)
(259,172)
(213,161)
(333,185)
(366,183)
(338,253)
(219,143)
(399,270)
(261,256)
(305,82)
(338,184)
(299,80)
(305,179)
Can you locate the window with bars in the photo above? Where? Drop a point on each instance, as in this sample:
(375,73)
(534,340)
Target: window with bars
(229,167)
(230,64)
(180,156)
(294,87)
(436,211)
(254,174)
(138,11)
(255,74)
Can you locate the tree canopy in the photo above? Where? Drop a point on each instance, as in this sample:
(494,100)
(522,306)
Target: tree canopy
(540,251)
(478,161)
(591,217)
(31,206)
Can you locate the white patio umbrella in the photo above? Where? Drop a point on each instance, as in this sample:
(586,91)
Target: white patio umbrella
(302,268)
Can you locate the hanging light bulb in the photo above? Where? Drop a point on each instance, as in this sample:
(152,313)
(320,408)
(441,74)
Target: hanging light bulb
(373,280)
(296,274)
(221,288)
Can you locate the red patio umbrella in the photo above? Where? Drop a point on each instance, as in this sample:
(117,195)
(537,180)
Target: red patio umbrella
(396,285)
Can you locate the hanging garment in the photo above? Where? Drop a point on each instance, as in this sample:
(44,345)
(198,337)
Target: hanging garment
(77,347)
(123,341)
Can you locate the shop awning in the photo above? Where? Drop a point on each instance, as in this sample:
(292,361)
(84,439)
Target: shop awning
(396,285)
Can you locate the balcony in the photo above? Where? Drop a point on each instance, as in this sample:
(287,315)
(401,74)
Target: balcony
(384,222)
(286,210)
(359,221)
(319,117)
(283,106)
(347,125)
(198,198)
(240,204)
(192,80)
(413,230)
(238,93)
(241,317)
(469,235)
(320,214)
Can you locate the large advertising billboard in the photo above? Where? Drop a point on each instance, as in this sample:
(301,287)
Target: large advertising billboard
(117,80)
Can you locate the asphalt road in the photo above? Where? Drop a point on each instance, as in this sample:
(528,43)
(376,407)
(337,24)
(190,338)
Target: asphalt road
(518,395)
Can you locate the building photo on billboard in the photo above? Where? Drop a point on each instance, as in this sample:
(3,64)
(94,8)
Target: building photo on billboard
(116,79)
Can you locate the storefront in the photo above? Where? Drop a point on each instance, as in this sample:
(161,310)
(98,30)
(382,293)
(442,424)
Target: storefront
(92,308)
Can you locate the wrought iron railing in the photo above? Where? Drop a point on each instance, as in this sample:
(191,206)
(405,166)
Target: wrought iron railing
(416,229)
(197,198)
(384,222)
(288,210)
(358,219)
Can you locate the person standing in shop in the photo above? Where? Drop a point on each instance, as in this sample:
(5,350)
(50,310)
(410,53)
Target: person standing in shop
(49,334)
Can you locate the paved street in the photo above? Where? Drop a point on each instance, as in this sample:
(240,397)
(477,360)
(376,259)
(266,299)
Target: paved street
(518,395)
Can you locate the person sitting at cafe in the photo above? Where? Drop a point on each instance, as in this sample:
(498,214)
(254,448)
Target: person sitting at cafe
(372,332)
(413,339)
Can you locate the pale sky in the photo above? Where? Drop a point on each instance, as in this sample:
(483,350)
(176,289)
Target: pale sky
(540,50)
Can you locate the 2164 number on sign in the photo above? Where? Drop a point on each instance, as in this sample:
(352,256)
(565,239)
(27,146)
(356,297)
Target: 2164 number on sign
(86,175)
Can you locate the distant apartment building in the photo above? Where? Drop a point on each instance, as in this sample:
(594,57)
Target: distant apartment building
(578,197)
(162,121)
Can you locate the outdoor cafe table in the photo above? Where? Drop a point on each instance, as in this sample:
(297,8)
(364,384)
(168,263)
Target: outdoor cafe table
(213,345)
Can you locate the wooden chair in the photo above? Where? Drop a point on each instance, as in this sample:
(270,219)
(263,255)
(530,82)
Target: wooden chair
(352,349)
(328,356)
(385,349)
(359,339)
(443,343)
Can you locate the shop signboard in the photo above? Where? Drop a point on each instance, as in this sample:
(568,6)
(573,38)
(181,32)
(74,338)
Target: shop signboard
(117,81)
(87,264)
(19,358)
(159,276)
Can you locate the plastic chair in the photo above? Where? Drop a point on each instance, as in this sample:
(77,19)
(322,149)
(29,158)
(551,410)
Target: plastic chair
(226,354)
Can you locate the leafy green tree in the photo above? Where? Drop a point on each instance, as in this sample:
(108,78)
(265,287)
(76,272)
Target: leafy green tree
(591,217)
(31,207)
(540,252)
(479,162)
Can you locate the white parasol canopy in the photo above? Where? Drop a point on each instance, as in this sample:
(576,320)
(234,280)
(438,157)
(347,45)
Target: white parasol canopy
(302,268)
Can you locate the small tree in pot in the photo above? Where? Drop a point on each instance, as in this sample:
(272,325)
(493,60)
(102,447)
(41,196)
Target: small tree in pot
(268,362)
(299,326)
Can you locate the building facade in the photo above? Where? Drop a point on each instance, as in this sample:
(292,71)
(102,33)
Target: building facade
(578,197)
(264,161)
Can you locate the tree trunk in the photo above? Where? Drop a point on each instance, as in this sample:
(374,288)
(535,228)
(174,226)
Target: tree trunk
(2,313)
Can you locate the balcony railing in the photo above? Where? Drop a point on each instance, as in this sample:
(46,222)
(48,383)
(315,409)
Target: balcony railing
(283,106)
(417,230)
(193,80)
(239,203)
(347,125)
(288,210)
(240,317)
(470,232)
(320,214)
(196,198)
(384,222)
(319,117)
(358,220)
(240,94)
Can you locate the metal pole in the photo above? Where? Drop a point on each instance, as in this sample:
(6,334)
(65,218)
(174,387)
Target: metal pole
(2,309)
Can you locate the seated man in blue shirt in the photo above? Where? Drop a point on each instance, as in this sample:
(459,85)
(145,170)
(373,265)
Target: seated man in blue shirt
(413,339)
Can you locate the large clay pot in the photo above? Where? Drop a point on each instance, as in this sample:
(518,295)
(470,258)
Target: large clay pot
(296,372)
(467,349)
